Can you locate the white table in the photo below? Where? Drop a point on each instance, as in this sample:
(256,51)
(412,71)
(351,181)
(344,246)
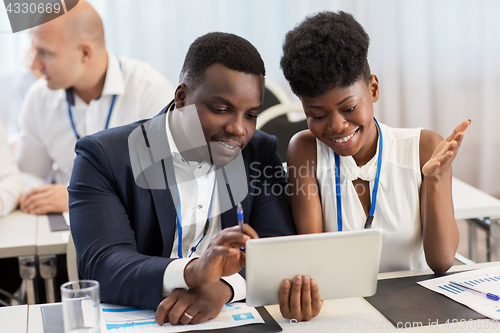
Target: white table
(471,202)
(14,319)
(50,242)
(477,208)
(35,320)
(17,235)
(26,236)
(351,314)
(18,239)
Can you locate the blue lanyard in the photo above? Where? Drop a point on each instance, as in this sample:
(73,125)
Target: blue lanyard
(179,222)
(109,114)
(369,218)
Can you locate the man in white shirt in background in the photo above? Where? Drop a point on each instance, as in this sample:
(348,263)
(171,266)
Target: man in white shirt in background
(10,177)
(85,89)
(10,191)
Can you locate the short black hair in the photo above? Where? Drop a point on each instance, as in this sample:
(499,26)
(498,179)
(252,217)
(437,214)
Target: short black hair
(232,51)
(326,51)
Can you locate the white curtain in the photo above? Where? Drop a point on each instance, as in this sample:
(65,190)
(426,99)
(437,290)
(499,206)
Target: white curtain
(438,64)
(437,60)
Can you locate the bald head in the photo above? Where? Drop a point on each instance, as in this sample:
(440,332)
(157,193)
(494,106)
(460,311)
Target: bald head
(81,24)
(70,50)
(84,24)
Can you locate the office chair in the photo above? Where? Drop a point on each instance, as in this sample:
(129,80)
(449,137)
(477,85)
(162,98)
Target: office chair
(274,94)
(282,121)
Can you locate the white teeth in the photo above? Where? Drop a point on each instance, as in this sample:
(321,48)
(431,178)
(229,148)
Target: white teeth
(345,139)
(227,145)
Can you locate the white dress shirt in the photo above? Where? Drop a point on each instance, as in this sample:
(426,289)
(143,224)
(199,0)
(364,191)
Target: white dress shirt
(195,183)
(397,210)
(10,177)
(47,137)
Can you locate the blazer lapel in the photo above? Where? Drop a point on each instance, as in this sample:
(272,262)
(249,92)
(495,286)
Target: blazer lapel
(163,200)
(166,213)
(234,179)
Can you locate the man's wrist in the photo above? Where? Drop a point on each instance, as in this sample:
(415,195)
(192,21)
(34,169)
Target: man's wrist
(238,284)
(229,291)
(190,275)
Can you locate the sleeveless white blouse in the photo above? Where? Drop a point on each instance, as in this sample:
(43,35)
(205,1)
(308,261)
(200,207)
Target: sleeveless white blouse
(397,210)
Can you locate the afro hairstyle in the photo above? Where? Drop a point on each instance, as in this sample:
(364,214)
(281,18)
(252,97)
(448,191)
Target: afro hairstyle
(325,51)
(232,51)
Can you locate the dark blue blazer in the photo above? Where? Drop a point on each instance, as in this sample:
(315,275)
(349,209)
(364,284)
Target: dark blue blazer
(123,233)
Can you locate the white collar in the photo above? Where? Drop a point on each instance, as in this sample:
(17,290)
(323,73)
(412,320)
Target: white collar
(195,137)
(114,83)
(170,139)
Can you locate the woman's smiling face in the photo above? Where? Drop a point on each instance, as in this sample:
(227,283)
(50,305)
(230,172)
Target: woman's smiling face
(342,118)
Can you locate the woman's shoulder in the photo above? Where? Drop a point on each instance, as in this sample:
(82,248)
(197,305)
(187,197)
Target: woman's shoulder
(302,147)
(429,140)
(303,139)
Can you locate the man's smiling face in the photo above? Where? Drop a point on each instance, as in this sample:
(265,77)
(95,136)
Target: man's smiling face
(227,102)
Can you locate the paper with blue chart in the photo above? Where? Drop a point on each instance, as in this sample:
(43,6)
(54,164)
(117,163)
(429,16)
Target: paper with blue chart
(126,319)
(486,280)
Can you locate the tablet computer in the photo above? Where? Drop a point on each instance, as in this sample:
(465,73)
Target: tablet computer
(344,264)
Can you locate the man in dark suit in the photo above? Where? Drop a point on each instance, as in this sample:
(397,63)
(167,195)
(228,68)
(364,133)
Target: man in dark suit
(152,204)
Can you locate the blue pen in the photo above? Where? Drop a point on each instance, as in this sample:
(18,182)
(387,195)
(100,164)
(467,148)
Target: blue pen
(239,212)
(489,295)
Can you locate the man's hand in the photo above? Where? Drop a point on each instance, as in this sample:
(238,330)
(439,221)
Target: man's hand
(222,257)
(300,301)
(193,306)
(45,199)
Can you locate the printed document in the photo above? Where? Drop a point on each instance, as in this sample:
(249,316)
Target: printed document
(119,319)
(487,280)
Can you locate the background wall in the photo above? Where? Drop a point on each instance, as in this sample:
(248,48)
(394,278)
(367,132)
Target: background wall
(437,60)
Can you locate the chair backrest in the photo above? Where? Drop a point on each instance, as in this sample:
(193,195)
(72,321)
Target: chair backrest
(283,121)
(274,94)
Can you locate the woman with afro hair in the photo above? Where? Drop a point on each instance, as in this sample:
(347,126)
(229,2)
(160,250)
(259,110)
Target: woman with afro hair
(361,173)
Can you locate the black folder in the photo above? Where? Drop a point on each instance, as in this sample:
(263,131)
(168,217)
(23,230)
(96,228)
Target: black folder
(403,301)
(57,222)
